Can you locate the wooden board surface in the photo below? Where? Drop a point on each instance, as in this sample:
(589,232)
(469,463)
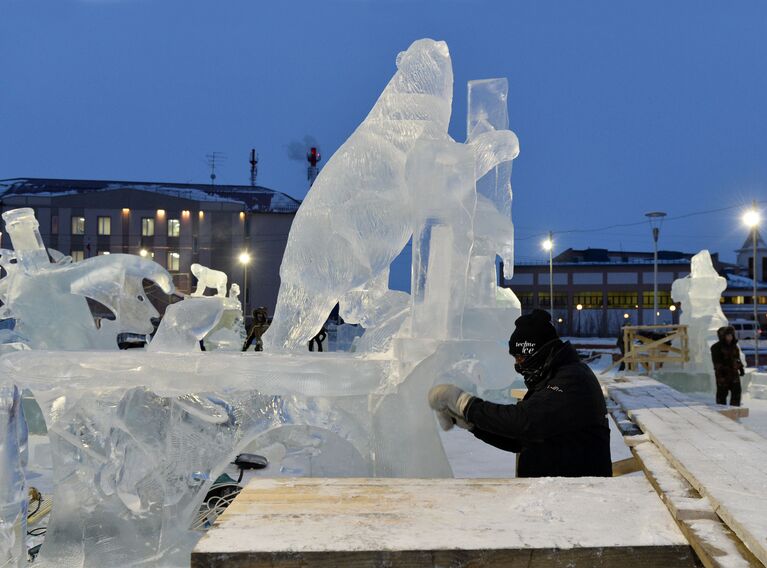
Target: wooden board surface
(452,522)
(721,459)
(715,544)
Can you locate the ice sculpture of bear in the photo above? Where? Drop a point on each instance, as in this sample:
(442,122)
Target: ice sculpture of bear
(208,278)
(328,254)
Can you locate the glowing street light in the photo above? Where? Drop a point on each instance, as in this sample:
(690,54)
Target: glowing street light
(143,252)
(244,258)
(751,219)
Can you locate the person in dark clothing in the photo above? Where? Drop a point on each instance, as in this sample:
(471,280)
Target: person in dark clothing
(728,368)
(318,339)
(560,428)
(259,327)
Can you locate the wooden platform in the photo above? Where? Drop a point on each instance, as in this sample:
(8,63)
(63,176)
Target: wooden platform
(586,522)
(719,458)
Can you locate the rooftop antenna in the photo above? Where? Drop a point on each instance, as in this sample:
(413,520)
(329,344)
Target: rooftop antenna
(253,167)
(213,158)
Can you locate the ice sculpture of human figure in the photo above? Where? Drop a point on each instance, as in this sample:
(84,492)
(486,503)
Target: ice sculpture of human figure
(699,294)
(257,329)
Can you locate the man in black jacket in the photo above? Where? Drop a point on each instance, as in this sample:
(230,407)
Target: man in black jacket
(728,368)
(560,428)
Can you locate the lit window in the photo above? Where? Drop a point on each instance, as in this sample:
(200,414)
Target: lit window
(738,300)
(105,225)
(78,225)
(103,252)
(174,227)
(174,261)
(147,227)
(77,255)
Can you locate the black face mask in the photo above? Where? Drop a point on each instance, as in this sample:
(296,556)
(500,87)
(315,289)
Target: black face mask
(535,367)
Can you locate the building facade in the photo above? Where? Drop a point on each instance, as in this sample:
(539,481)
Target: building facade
(175,224)
(597,291)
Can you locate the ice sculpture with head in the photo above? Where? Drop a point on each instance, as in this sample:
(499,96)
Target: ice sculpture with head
(699,295)
(329,254)
(45,298)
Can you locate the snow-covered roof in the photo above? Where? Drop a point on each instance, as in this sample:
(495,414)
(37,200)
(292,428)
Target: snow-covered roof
(738,281)
(254,198)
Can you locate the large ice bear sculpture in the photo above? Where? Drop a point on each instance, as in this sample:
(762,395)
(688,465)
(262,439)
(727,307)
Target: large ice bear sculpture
(329,254)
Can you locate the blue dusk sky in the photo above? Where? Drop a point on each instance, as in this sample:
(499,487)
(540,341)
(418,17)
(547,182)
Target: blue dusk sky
(620,107)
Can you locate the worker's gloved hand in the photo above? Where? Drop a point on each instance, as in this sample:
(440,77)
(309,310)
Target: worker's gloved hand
(741,371)
(450,403)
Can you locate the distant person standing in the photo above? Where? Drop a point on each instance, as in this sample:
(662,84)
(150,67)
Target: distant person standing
(728,368)
(259,327)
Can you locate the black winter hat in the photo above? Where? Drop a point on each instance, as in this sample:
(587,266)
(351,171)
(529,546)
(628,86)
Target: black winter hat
(532,331)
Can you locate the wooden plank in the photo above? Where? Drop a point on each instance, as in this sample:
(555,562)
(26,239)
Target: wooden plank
(714,543)
(720,459)
(444,522)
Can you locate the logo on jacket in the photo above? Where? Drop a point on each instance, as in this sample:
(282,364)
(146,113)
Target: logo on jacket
(554,388)
(526,347)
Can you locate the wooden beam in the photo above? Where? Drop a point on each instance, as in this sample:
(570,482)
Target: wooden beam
(412,523)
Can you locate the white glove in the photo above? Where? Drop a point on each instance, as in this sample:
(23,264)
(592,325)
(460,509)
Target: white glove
(450,403)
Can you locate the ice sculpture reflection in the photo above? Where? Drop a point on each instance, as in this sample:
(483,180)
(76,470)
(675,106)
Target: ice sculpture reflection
(138,436)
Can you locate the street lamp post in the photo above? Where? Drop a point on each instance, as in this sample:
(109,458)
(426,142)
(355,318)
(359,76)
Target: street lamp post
(656,219)
(548,245)
(244,259)
(751,219)
(579,307)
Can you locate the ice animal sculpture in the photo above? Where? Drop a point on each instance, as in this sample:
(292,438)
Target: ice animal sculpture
(137,437)
(208,278)
(229,333)
(699,294)
(13,489)
(329,254)
(45,297)
(185,323)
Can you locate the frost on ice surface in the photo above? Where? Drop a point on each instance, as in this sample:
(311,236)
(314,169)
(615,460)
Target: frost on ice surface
(699,294)
(34,285)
